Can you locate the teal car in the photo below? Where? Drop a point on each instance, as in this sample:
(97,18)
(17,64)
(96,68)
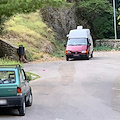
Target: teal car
(15,91)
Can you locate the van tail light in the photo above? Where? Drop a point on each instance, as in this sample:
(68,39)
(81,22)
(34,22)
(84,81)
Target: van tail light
(19,91)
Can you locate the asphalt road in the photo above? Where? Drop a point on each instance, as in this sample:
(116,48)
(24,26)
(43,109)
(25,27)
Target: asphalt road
(74,90)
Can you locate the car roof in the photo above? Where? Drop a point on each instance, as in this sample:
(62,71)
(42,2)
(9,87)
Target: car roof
(16,66)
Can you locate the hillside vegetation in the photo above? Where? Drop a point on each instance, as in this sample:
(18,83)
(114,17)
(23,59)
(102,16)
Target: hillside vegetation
(43,33)
(30,31)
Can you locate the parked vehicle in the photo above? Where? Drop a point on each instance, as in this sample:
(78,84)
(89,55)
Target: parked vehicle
(15,90)
(80,44)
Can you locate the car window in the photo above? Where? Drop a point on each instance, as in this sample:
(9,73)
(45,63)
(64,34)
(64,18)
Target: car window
(7,77)
(22,76)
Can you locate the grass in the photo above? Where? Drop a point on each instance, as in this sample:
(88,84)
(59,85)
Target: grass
(32,76)
(60,50)
(7,61)
(30,31)
(105,48)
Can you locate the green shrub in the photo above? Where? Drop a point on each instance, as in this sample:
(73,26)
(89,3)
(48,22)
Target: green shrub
(60,49)
(31,76)
(29,56)
(8,61)
(104,48)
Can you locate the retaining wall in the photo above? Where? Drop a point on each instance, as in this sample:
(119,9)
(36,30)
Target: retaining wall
(7,49)
(110,42)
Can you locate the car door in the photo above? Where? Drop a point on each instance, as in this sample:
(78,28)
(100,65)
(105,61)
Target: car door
(24,83)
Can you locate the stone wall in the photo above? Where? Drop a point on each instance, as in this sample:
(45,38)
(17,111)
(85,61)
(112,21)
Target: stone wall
(61,20)
(7,49)
(110,42)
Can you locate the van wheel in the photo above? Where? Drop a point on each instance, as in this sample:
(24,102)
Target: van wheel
(92,55)
(67,58)
(22,109)
(87,57)
(29,102)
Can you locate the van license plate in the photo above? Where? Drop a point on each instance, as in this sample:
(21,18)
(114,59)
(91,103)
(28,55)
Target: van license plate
(76,55)
(3,102)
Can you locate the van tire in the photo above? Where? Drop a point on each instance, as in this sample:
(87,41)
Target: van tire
(30,100)
(21,109)
(87,57)
(92,55)
(67,58)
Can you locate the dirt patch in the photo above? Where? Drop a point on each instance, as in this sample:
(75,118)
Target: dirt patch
(48,59)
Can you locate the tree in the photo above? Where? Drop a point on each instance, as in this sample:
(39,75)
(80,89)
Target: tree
(119,17)
(118,21)
(11,7)
(99,15)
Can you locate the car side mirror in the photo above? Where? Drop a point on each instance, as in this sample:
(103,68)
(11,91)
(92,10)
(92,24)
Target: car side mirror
(68,35)
(64,45)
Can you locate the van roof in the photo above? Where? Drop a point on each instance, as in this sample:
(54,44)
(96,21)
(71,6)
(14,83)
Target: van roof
(78,33)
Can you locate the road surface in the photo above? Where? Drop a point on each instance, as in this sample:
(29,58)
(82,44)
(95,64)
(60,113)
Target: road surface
(74,90)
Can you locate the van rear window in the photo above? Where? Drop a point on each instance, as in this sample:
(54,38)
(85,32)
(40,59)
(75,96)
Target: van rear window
(7,77)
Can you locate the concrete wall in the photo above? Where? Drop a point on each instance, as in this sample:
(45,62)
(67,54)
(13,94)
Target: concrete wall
(111,43)
(7,49)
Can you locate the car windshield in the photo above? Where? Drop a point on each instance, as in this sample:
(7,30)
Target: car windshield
(7,77)
(79,41)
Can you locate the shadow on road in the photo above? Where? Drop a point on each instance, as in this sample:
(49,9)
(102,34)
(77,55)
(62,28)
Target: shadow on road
(8,112)
(94,58)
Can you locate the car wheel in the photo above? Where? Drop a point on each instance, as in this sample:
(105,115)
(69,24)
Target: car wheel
(29,102)
(22,109)
(67,58)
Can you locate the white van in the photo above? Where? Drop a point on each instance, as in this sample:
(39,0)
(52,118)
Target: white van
(80,44)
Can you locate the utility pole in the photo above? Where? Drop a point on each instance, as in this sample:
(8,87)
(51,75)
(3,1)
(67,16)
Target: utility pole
(114,20)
